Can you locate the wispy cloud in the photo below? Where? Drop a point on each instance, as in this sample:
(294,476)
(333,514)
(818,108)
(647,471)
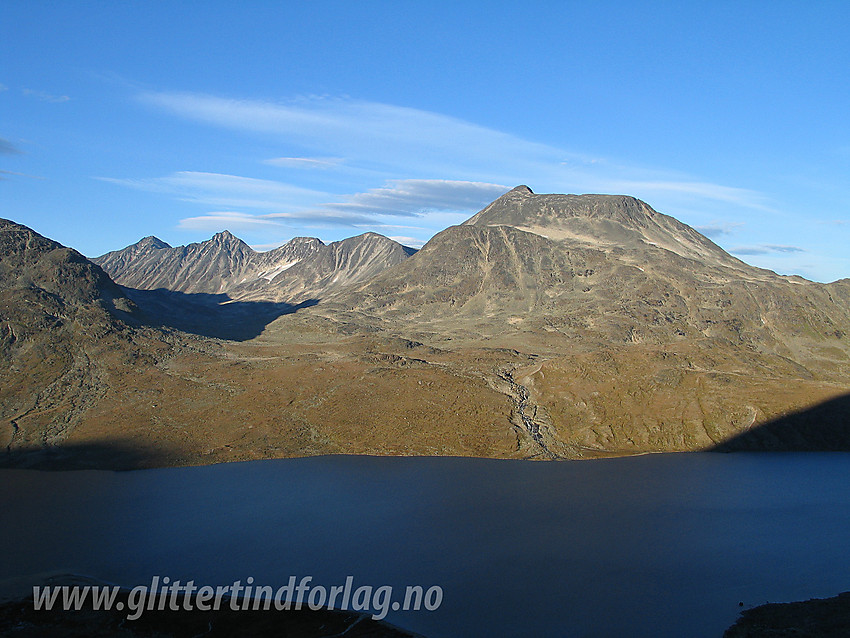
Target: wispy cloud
(765,249)
(261,248)
(19,175)
(414,197)
(7,148)
(354,128)
(402,142)
(305,162)
(277,202)
(704,190)
(402,163)
(718,229)
(45,97)
(225,220)
(413,242)
(229,191)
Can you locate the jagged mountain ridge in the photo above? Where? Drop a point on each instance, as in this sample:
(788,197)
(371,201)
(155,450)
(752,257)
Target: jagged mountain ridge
(301,269)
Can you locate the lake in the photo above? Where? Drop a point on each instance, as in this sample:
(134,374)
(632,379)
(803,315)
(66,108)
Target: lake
(655,545)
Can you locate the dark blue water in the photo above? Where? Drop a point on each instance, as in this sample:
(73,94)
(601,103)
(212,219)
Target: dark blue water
(660,545)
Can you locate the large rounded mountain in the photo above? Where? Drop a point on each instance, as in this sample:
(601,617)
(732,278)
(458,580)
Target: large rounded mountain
(599,221)
(639,333)
(596,269)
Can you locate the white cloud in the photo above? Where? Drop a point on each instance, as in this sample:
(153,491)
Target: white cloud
(399,226)
(278,202)
(389,142)
(413,197)
(413,242)
(371,133)
(765,249)
(224,220)
(703,190)
(261,248)
(400,163)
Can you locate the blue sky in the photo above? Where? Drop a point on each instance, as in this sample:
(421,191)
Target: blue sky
(278,119)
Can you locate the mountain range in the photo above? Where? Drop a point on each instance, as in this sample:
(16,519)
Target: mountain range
(301,269)
(546,326)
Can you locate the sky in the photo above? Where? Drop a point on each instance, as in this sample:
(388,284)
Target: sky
(120,120)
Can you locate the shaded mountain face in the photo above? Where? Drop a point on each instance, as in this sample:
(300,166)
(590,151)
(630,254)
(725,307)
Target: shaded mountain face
(303,268)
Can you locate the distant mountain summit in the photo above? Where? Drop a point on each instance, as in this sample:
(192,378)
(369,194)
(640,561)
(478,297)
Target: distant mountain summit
(303,268)
(600,221)
(209,266)
(151,243)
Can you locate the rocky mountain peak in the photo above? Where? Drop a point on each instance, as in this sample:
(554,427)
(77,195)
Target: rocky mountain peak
(227,239)
(305,241)
(151,243)
(522,207)
(599,221)
(32,264)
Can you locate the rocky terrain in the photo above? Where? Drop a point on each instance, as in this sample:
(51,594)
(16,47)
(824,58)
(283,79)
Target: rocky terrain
(816,618)
(59,313)
(547,326)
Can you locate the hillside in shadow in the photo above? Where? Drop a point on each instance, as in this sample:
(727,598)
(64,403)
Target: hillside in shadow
(210,315)
(821,428)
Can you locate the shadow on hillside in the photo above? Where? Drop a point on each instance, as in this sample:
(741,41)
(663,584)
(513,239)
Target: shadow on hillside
(822,428)
(94,455)
(210,315)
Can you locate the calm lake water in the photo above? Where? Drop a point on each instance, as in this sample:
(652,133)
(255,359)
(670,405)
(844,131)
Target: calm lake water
(660,545)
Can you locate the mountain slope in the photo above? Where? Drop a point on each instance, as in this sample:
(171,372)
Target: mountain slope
(492,340)
(59,315)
